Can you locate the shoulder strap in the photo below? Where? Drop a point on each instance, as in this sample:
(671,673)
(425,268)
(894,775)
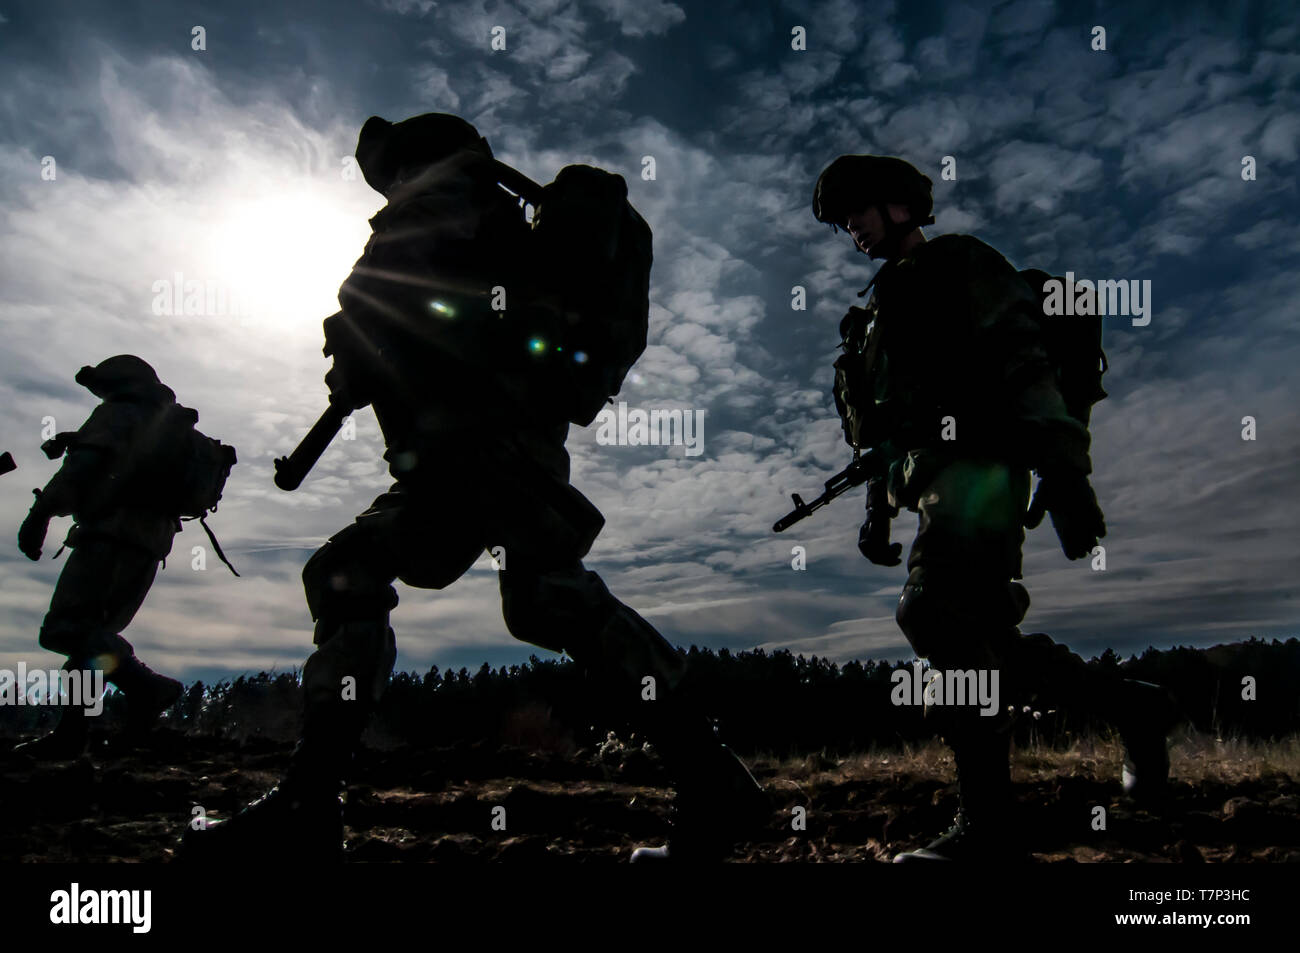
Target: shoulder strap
(216,546)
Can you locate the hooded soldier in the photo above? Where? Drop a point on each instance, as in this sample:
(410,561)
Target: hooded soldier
(118,538)
(944,374)
(466,398)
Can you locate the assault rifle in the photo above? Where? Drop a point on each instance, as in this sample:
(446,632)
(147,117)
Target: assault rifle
(868,466)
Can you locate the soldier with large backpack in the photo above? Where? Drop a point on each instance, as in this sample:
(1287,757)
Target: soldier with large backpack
(955,377)
(129,474)
(477,337)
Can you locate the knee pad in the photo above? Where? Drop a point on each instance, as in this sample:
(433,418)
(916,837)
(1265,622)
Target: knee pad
(340,587)
(959,622)
(925,614)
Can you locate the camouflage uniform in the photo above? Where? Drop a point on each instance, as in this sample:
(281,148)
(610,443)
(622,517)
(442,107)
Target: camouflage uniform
(116,543)
(949,346)
(477,453)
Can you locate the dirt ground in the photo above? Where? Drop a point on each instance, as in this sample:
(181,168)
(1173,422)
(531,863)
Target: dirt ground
(1229,802)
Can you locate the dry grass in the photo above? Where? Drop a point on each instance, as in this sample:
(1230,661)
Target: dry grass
(1194,757)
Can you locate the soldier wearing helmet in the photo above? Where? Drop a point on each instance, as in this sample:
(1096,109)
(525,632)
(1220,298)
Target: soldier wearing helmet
(119,537)
(475,444)
(944,374)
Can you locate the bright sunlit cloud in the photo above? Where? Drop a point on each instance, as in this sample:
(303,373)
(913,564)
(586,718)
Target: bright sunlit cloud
(284,255)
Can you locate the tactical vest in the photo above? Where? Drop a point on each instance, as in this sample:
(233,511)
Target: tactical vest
(877,403)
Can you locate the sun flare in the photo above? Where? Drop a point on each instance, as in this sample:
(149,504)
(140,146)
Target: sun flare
(284,255)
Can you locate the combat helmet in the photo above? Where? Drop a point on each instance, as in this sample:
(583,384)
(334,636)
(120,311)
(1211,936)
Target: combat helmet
(124,376)
(854,182)
(385,148)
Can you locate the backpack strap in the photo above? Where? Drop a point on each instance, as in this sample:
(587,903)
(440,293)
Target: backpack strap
(216,546)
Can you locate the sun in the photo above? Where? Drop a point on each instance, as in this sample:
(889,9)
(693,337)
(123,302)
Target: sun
(283,255)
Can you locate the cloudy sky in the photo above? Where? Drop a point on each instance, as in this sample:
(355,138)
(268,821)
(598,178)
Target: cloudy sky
(227,165)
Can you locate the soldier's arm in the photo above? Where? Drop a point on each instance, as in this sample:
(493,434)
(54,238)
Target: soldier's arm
(83,469)
(64,493)
(87,462)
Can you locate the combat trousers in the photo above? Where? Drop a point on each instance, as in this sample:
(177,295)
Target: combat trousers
(103,585)
(961,607)
(512,499)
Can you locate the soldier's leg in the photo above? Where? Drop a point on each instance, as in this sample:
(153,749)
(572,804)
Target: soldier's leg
(349,588)
(958,610)
(568,608)
(550,599)
(545,527)
(102,586)
(961,622)
(1045,672)
(970,537)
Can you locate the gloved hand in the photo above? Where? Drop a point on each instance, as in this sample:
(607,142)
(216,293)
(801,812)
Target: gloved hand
(873,538)
(31,535)
(1076,515)
(873,542)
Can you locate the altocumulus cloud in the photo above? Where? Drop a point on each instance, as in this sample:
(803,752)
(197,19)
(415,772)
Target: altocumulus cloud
(225,165)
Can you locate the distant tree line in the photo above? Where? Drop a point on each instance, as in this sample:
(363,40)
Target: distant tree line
(773,702)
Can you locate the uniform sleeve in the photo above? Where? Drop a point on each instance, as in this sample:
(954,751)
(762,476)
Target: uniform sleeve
(1007,344)
(88,462)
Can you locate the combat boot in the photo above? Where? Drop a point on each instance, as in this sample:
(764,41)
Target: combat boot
(301,818)
(70,736)
(148,695)
(67,741)
(983,830)
(296,821)
(718,801)
(963,842)
(1144,713)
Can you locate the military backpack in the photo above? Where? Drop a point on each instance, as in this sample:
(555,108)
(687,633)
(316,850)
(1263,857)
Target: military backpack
(168,466)
(591,255)
(1073,346)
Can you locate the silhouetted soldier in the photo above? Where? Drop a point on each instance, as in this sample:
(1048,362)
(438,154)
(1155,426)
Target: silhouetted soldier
(474,404)
(951,339)
(113,483)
